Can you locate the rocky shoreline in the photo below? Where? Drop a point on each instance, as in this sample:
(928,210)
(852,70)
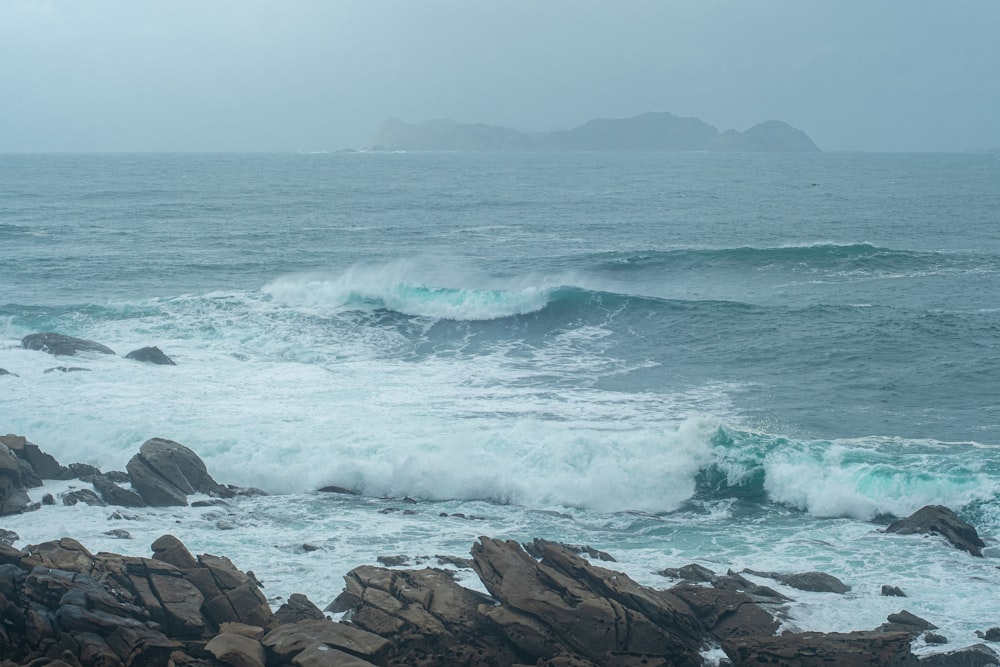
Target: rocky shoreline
(546,603)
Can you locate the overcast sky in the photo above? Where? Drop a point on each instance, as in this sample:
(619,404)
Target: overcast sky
(192,75)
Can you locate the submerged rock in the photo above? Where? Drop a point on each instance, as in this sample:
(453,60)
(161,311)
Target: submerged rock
(939,520)
(61,345)
(151,355)
(977,655)
(4,371)
(690,572)
(892,591)
(66,369)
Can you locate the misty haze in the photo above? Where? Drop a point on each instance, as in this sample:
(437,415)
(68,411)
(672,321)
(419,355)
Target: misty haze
(492,334)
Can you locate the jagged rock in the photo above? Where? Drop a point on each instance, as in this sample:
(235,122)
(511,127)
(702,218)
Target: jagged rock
(977,655)
(904,621)
(733,581)
(298,608)
(291,640)
(934,638)
(816,582)
(691,572)
(939,520)
(587,609)
(4,371)
(164,472)
(892,591)
(112,494)
(726,613)
(536,548)
(47,499)
(808,649)
(8,537)
(82,471)
(61,345)
(991,635)
(85,496)
(13,497)
(151,355)
(44,465)
(66,369)
(309,547)
(425,615)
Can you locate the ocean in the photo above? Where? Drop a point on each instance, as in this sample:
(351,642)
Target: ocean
(739,360)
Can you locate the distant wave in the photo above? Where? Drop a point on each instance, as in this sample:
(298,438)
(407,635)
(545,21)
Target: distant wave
(821,256)
(377,288)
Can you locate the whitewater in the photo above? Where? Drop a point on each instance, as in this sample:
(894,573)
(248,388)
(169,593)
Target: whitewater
(736,360)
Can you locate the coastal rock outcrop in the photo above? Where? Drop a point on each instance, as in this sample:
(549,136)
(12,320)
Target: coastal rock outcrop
(808,649)
(816,582)
(164,472)
(151,355)
(62,345)
(939,520)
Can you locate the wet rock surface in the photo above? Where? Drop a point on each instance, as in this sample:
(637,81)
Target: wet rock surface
(62,345)
(939,520)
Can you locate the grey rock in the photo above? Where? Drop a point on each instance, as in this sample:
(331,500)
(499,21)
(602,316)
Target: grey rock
(298,608)
(934,638)
(61,345)
(337,489)
(817,582)
(394,561)
(83,471)
(85,496)
(537,547)
(978,655)
(892,591)
(991,635)
(112,494)
(44,465)
(8,537)
(164,472)
(66,369)
(939,520)
(151,355)
(4,371)
(47,499)
(119,533)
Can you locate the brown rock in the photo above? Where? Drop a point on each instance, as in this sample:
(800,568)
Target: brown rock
(236,650)
(289,640)
(298,608)
(726,613)
(592,611)
(809,649)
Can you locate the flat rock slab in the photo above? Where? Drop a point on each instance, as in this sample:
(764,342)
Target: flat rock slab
(61,345)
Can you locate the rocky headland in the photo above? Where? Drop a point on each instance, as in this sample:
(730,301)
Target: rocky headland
(655,131)
(545,603)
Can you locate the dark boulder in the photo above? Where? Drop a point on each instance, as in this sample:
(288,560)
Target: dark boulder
(61,345)
(164,472)
(816,582)
(66,369)
(8,537)
(151,355)
(298,608)
(4,371)
(44,465)
(13,496)
(537,546)
(991,635)
(892,591)
(977,655)
(808,649)
(85,496)
(83,471)
(690,572)
(112,494)
(904,621)
(726,613)
(939,520)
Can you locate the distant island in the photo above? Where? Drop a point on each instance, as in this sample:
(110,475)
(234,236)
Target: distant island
(653,131)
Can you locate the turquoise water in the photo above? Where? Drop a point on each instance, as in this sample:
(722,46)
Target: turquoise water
(738,358)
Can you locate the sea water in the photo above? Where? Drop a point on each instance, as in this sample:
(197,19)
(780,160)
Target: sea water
(738,360)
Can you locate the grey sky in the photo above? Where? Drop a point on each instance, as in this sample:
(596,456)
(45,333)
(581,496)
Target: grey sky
(118,75)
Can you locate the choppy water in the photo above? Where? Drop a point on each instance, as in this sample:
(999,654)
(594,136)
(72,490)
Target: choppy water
(736,358)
